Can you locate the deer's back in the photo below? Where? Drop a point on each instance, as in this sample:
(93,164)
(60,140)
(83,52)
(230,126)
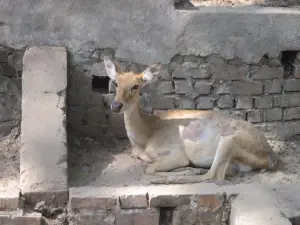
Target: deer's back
(198,132)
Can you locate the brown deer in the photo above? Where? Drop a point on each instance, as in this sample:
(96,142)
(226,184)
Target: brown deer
(214,142)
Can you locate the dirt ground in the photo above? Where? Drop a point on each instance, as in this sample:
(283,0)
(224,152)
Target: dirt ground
(263,3)
(109,163)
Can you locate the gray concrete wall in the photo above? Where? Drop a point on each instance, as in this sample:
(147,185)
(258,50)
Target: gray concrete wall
(149,31)
(228,45)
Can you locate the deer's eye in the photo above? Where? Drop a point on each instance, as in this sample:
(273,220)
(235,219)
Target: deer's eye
(116,85)
(135,87)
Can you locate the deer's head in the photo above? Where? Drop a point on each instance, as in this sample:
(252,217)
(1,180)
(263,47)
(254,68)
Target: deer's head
(128,85)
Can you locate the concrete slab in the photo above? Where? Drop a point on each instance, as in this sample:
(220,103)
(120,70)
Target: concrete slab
(43,154)
(257,207)
(9,198)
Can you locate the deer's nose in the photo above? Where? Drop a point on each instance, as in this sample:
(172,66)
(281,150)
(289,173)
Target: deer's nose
(116,106)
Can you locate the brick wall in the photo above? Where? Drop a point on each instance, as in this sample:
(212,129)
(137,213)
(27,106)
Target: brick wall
(266,93)
(10,89)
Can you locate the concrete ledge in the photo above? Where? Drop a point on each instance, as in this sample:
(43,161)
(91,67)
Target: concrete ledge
(9,198)
(43,153)
(256,208)
(20,218)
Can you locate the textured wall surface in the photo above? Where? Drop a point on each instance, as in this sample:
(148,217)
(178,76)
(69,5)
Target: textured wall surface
(148,31)
(10,89)
(214,58)
(264,93)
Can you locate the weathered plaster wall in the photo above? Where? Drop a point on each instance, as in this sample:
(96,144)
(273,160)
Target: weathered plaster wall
(149,31)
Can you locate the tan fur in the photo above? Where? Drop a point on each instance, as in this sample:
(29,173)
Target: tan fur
(214,141)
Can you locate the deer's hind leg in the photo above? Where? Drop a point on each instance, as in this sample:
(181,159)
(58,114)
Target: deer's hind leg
(217,171)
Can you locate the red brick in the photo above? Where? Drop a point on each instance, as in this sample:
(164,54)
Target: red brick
(93,217)
(138,217)
(177,195)
(203,209)
(133,197)
(19,218)
(9,198)
(93,198)
(57,198)
(209,201)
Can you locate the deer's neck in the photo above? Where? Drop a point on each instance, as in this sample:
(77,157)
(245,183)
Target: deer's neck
(138,126)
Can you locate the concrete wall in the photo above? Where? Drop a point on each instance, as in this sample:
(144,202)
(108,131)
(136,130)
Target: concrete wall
(238,47)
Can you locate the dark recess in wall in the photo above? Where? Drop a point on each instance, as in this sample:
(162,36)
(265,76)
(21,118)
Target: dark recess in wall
(166,215)
(288,60)
(100,84)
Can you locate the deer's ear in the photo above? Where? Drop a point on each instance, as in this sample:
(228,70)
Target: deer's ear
(151,73)
(110,68)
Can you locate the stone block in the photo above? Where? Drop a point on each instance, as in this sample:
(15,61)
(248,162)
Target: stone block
(274,114)
(93,217)
(273,86)
(92,198)
(3,56)
(244,102)
(255,116)
(158,101)
(43,153)
(9,198)
(241,88)
(202,87)
(194,59)
(98,69)
(7,70)
(186,103)
(133,197)
(291,85)
(263,102)
(274,61)
(267,73)
(182,87)
(287,100)
(163,87)
(190,65)
(231,73)
(205,209)
(20,218)
(291,113)
(202,72)
(138,217)
(291,128)
(205,102)
(239,114)
(236,61)
(296,71)
(225,102)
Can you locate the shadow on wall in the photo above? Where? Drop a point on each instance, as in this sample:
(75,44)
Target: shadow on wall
(10,89)
(90,93)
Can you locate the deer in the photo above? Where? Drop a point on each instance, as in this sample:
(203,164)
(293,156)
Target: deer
(183,145)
